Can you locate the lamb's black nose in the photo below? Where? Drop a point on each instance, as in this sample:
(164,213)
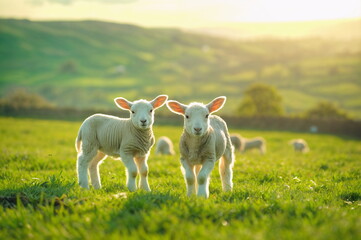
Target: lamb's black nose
(143,121)
(197,129)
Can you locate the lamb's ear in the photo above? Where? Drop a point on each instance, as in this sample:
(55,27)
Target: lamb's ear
(159,101)
(216,104)
(176,107)
(123,103)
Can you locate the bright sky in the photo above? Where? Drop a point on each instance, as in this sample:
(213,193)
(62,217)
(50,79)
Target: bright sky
(181,13)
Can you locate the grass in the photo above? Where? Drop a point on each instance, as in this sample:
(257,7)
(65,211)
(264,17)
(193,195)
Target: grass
(282,195)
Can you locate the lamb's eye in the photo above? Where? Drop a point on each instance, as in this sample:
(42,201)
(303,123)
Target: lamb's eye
(133,112)
(187,116)
(207,115)
(151,110)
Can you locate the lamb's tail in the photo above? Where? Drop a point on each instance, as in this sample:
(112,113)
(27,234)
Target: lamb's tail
(78,142)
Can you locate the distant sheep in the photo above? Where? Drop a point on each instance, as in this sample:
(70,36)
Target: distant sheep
(236,140)
(130,139)
(205,139)
(164,146)
(257,142)
(299,145)
(242,144)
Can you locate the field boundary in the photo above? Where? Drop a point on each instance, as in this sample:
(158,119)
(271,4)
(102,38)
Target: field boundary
(330,126)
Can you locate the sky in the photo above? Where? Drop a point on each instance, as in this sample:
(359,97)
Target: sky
(181,13)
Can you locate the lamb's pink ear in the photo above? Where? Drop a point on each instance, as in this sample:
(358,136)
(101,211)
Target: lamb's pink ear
(123,103)
(159,101)
(216,104)
(176,107)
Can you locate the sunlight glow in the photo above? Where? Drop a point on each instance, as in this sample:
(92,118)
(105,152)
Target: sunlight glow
(181,13)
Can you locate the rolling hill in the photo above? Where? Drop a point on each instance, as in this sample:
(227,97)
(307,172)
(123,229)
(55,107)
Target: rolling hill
(326,29)
(85,64)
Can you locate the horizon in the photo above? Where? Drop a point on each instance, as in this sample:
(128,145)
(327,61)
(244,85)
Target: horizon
(144,26)
(336,29)
(181,14)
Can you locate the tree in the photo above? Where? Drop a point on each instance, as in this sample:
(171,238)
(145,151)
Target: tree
(261,100)
(326,110)
(22,99)
(68,67)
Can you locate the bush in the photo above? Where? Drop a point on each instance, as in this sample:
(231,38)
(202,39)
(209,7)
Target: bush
(68,67)
(22,99)
(261,100)
(326,110)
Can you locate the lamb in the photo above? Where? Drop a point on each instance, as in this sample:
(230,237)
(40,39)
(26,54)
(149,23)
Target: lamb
(128,138)
(164,146)
(236,141)
(243,144)
(204,140)
(257,142)
(299,145)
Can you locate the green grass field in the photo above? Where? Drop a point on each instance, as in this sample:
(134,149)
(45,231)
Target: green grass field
(282,195)
(76,64)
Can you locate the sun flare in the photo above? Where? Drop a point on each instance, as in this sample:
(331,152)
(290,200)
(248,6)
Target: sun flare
(176,13)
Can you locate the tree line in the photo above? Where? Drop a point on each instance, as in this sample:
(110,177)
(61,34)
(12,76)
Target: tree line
(260,100)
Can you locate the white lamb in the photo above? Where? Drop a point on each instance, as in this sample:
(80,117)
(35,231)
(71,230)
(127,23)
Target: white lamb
(237,142)
(130,139)
(255,143)
(299,145)
(164,146)
(205,139)
(243,144)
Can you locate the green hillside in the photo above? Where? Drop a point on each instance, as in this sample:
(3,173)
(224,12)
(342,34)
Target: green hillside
(86,64)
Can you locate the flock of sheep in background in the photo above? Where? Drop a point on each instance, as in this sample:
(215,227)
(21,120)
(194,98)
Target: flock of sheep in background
(204,141)
(241,144)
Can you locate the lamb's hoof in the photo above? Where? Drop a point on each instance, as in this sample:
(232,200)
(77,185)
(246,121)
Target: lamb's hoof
(132,189)
(84,187)
(203,195)
(227,189)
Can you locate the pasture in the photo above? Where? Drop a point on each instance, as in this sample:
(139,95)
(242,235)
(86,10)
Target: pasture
(84,64)
(281,195)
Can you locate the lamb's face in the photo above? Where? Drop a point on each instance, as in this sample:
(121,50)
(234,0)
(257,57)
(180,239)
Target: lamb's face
(141,111)
(196,115)
(142,114)
(196,121)
(299,145)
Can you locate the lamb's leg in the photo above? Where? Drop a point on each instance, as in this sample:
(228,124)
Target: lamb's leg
(203,178)
(189,177)
(94,170)
(263,149)
(225,170)
(131,171)
(142,165)
(83,161)
(197,168)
